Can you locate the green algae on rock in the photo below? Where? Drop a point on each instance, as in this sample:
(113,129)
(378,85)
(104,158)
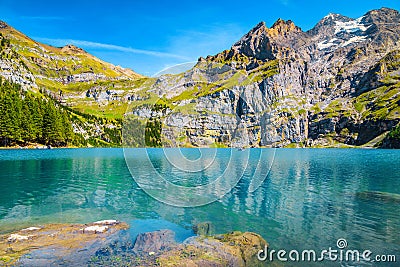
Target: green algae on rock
(232,249)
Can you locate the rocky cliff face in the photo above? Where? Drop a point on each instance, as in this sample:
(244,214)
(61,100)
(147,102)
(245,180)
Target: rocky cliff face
(336,84)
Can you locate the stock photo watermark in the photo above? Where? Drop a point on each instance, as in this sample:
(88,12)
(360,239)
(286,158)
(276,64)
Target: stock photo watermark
(339,253)
(164,122)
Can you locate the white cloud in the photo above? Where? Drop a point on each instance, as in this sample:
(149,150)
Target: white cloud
(111,47)
(183,46)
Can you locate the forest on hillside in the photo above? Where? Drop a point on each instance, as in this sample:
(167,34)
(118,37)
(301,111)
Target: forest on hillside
(26,118)
(35,118)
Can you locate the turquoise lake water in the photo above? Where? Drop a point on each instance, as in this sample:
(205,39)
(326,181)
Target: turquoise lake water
(309,199)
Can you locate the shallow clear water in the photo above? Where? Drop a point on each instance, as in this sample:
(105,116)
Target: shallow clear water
(310,198)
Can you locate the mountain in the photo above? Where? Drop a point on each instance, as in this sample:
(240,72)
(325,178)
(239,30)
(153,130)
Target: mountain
(66,76)
(334,85)
(337,84)
(65,65)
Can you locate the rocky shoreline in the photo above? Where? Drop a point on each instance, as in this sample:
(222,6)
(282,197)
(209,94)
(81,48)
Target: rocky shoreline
(108,243)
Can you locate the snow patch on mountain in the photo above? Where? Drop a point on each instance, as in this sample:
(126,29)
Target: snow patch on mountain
(326,44)
(355,39)
(352,26)
(335,43)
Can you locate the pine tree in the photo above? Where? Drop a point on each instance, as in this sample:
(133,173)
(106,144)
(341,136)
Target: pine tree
(67,127)
(10,116)
(52,126)
(28,127)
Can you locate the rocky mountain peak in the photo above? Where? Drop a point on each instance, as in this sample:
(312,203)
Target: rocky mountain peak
(72,49)
(382,14)
(326,26)
(384,17)
(283,28)
(332,17)
(378,26)
(258,30)
(336,31)
(383,27)
(255,43)
(260,25)
(261,42)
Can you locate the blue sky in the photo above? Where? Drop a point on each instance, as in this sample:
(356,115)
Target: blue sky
(149,36)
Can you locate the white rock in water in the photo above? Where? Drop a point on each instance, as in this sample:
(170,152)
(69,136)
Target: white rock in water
(95,229)
(30,229)
(17,237)
(107,222)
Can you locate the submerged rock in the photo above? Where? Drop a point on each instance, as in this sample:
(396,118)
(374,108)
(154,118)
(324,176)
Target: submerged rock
(204,228)
(379,196)
(154,241)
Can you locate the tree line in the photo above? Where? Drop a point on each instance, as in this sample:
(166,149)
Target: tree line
(25,117)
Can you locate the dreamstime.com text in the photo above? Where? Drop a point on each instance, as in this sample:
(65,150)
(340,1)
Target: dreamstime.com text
(331,254)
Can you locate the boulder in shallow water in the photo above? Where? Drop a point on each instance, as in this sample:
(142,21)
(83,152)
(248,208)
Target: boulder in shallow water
(154,241)
(233,249)
(204,228)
